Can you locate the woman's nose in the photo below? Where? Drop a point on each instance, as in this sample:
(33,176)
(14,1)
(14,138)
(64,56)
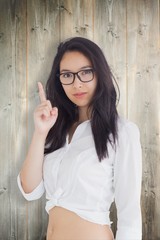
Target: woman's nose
(77,83)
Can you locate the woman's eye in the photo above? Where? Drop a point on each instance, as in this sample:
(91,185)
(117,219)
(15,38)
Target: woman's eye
(87,71)
(67,75)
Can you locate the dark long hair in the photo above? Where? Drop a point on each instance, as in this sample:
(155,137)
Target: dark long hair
(103,105)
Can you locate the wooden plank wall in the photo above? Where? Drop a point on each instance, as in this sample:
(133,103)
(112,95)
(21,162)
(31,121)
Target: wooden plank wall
(129,33)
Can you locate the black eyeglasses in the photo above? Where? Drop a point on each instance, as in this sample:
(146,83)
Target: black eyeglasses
(68,78)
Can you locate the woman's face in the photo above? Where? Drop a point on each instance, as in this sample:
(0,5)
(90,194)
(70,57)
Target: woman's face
(80,93)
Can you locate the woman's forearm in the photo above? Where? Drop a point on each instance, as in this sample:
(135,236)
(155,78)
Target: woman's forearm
(31,172)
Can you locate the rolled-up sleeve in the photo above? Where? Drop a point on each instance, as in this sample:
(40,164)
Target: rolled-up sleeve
(127,183)
(35,194)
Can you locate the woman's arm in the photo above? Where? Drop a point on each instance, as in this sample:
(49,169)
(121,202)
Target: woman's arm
(44,118)
(127,183)
(31,172)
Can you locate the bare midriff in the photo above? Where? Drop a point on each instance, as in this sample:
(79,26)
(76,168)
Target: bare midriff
(67,225)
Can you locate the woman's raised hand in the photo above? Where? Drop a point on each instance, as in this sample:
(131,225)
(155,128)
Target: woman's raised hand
(44,115)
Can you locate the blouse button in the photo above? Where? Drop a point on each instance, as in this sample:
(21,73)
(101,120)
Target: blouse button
(57,194)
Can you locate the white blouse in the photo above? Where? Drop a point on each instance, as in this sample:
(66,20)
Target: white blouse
(73,178)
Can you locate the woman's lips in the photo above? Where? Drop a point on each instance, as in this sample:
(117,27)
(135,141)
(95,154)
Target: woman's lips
(79,95)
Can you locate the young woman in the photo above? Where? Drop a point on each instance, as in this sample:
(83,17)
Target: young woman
(82,153)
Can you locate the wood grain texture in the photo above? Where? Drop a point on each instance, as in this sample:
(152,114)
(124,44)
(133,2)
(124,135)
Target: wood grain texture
(129,34)
(76,18)
(143,101)
(12,112)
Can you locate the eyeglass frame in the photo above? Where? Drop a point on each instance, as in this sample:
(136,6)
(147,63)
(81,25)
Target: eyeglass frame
(76,74)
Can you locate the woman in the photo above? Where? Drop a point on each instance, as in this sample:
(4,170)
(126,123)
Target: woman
(82,153)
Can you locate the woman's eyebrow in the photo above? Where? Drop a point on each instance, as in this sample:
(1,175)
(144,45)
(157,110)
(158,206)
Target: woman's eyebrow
(88,66)
(67,70)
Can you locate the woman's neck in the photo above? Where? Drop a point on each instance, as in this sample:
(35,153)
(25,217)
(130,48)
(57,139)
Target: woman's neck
(84,114)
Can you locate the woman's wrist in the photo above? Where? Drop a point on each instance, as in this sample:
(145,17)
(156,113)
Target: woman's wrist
(39,135)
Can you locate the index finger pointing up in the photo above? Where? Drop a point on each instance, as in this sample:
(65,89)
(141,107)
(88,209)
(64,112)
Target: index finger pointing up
(41,92)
